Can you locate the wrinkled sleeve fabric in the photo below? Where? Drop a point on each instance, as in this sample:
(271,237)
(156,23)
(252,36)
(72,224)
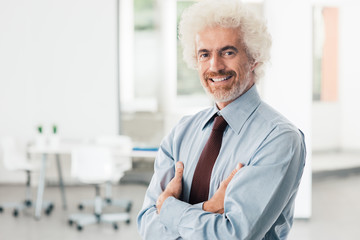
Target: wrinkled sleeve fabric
(149,225)
(255,197)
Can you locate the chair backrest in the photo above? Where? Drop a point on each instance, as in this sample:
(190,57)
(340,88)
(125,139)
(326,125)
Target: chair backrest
(91,164)
(121,147)
(12,156)
(120,143)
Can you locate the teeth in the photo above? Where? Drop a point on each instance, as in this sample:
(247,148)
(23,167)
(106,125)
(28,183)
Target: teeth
(220,79)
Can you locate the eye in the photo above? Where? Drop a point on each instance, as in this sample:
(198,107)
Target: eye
(229,53)
(203,56)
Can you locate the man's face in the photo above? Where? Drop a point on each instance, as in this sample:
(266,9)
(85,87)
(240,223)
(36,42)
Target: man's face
(224,67)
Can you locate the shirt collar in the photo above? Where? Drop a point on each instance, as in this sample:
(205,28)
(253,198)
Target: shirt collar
(238,111)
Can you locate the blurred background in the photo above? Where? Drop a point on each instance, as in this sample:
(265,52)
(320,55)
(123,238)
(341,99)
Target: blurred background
(92,68)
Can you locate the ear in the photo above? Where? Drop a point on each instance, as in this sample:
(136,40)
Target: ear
(253,66)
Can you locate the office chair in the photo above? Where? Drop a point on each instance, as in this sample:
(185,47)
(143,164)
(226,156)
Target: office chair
(14,159)
(93,165)
(121,147)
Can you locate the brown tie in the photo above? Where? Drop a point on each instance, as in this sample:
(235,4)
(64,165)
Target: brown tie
(201,179)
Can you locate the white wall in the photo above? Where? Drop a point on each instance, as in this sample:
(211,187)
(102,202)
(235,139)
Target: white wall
(350,75)
(58,66)
(335,124)
(326,126)
(288,82)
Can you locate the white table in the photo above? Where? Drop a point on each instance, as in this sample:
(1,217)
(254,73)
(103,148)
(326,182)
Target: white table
(64,149)
(44,151)
(151,155)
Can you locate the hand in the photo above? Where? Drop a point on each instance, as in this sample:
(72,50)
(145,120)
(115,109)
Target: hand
(216,203)
(174,188)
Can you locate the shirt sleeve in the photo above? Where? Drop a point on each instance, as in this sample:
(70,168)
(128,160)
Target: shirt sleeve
(255,198)
(148,221)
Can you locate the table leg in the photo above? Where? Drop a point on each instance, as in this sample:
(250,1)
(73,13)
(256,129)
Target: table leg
(61,182)
(41,186)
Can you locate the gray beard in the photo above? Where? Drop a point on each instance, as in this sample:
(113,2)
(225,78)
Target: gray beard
(232,94)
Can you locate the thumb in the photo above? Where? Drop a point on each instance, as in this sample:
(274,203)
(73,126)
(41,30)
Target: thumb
(179,170)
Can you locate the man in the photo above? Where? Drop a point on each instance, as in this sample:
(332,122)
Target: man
(231,171)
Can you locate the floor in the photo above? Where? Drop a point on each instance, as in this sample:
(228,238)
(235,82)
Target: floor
(336,211)
(55,226)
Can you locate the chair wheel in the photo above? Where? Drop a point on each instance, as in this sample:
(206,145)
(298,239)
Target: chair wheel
(128,208)
(28,203)
(49,209)
(1,209)
(15,213)
(79,228)
(127,221)
(51,206)
(80,207)
(70,222)
(115,226)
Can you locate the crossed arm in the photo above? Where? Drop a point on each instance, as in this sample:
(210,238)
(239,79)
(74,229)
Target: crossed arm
(257,199)
(174,188)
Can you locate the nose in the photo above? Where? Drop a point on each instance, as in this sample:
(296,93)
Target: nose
(216,63)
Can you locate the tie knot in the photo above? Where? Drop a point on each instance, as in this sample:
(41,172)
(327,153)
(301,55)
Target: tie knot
(219,123)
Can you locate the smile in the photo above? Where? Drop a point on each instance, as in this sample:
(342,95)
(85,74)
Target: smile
(220,79)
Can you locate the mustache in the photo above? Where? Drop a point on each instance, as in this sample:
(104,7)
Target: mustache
(219,74)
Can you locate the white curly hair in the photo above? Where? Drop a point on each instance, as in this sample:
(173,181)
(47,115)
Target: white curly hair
(228,14)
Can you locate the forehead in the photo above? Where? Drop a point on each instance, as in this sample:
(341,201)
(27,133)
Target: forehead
(217,37)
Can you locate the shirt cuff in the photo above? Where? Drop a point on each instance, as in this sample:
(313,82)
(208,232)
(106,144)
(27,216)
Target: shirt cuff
(198,206)
(172,211)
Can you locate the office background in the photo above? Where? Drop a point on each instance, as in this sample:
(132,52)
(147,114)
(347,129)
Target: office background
(107,67)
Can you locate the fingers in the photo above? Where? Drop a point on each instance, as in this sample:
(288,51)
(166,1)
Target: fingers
(238,166)
(220,211)
(232,174)
(179,170)
(173,188)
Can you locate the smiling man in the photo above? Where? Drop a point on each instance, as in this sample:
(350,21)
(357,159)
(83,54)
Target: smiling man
(223,65)
(231,171)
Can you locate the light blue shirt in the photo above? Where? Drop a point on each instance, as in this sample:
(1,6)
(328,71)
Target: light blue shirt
(259,201)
